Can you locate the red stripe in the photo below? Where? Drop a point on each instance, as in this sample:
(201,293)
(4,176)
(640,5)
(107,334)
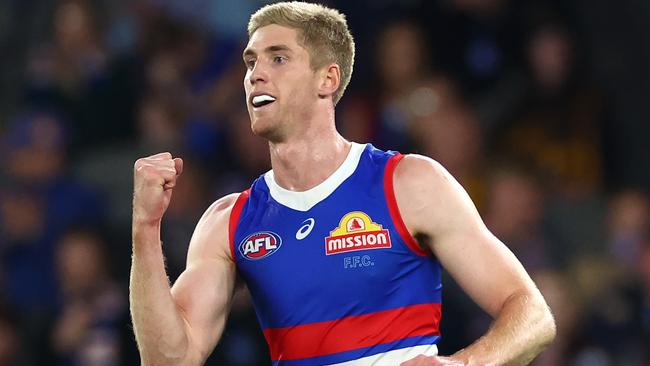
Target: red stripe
(402,230)
(353,332)
(234,219)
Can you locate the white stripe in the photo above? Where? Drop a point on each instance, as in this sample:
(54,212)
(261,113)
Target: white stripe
(392,358)
(303,201)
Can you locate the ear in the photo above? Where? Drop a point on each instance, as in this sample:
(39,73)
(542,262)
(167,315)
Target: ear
(329,81)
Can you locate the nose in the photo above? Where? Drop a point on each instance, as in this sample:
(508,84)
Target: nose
(257,74)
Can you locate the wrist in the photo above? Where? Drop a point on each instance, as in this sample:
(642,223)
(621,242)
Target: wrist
(145,233)
(463,357)
(140,218)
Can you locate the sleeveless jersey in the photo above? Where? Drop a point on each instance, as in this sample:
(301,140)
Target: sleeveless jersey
(334,274)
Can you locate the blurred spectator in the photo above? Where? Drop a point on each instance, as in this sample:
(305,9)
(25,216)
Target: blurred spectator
(558,128)
(74,75)
(405,93)
(618,289)
(614,289)
(40,202)
(450,133)
(214,112)
(35,146)
(182,60)
(159,126)
(614,307)
(79,56)
(417,109)
(160,123)
(9,338)
(628,223)
(25,250)
(91,324)
(557,132)
(515,209)
(383,114)
(477,42)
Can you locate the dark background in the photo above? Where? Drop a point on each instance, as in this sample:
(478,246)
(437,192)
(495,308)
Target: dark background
(539,108)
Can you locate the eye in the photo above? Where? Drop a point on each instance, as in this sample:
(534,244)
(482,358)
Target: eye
(279,59)
(250,63)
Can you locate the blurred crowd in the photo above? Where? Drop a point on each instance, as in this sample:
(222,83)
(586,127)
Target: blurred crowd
(538,108)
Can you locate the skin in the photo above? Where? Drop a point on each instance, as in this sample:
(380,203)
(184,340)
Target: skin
(180,325)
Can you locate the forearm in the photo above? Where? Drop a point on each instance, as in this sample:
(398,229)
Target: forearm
(159,327)
(523,328)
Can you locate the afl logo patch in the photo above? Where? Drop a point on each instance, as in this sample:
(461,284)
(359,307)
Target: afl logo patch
(260,245)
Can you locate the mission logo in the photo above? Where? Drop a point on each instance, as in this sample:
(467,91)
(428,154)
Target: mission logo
(356,231)
(260,245)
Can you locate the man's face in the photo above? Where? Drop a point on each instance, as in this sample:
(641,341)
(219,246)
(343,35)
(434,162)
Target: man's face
(281,87)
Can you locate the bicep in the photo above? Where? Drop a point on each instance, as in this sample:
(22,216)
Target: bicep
(203,293)
(204,290)
(481,264)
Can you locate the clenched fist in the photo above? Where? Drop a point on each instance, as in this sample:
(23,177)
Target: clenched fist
(153,180)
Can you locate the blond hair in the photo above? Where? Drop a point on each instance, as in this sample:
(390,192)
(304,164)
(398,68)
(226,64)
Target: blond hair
(322,31)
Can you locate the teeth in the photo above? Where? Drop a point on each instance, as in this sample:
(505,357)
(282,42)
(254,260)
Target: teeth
(262,99)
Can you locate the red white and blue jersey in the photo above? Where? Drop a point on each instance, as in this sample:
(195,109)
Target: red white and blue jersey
(335,276)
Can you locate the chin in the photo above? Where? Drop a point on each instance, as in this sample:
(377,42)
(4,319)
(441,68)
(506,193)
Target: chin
(266,128)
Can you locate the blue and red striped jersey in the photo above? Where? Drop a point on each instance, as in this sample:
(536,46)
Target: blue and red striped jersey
(334,274)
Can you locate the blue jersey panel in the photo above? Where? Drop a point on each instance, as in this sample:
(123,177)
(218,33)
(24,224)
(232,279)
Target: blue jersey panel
(341,258)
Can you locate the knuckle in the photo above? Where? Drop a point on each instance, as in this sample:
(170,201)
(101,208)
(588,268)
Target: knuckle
(149,173)
(138,163)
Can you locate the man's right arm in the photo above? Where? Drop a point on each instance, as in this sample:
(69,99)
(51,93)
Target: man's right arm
(179,325)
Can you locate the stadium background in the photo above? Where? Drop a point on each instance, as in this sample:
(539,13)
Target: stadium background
(539,108)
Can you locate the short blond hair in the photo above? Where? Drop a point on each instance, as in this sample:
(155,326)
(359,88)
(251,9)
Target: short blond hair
(322,31)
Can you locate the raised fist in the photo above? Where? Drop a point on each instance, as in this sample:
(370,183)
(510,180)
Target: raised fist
(154,177)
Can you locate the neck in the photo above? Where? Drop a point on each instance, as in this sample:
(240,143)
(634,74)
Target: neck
(307,160)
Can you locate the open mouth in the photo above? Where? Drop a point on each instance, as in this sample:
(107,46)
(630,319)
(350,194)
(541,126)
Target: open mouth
(262,100)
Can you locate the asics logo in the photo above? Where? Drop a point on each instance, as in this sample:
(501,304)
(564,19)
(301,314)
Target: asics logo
(305,229)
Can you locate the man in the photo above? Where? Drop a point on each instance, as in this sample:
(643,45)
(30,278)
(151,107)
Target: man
(325,241)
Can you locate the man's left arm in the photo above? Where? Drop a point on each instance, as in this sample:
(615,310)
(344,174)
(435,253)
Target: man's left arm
(432,203)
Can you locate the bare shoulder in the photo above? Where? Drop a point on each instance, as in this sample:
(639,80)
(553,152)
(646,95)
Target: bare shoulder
(211,237)
(419,170)
(429,198)
(420,180)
